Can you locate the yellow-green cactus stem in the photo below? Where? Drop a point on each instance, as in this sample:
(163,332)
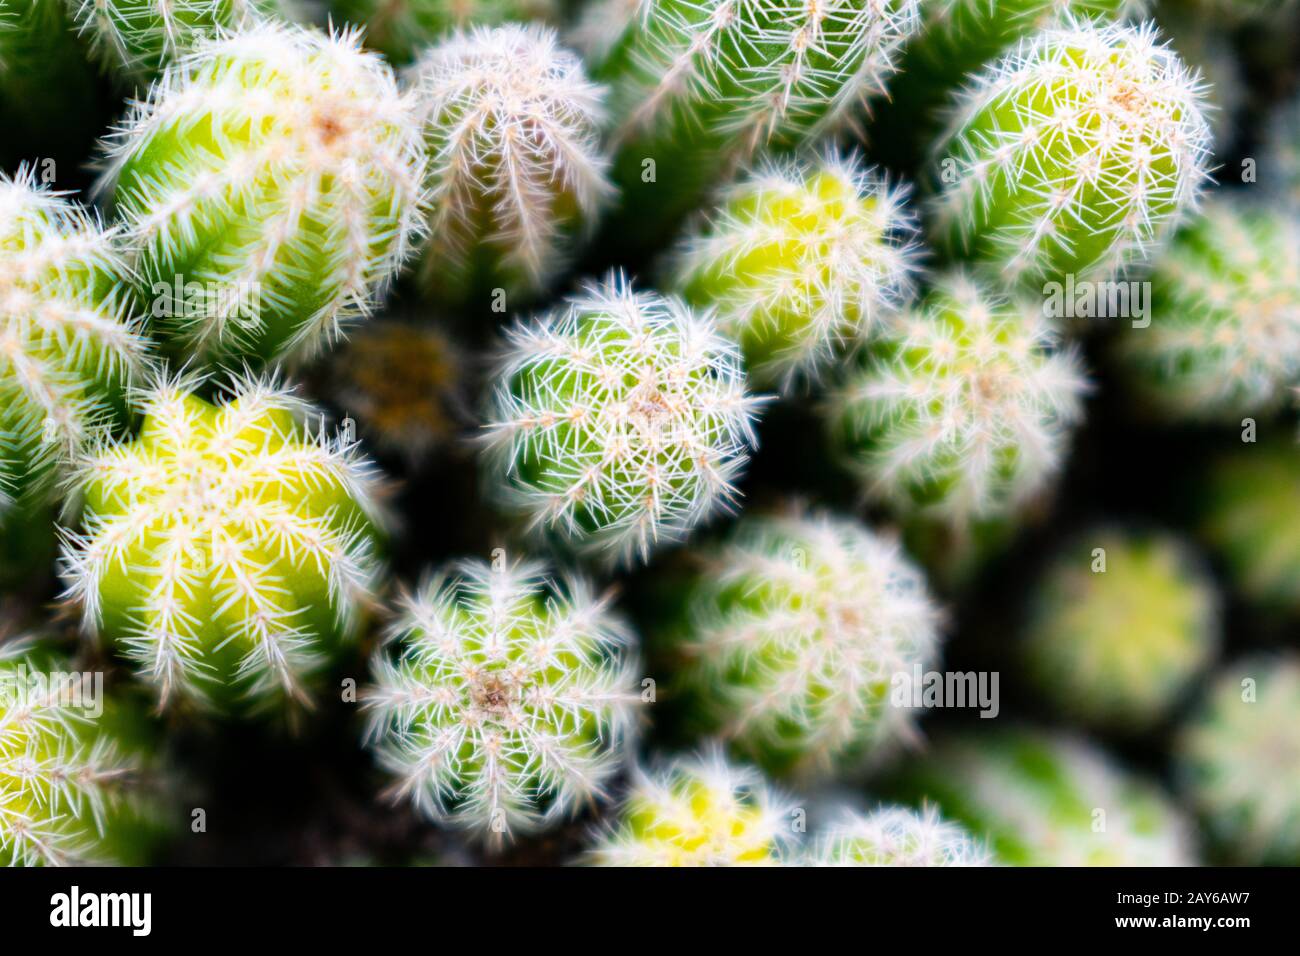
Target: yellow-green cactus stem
(516,170)
(1250,518)
(802,261)
(68,347)
(1238,760)
(962,408)
(400,29)
(1119,627)
(403,382)
(895,836)
(795,633)
(74,782)
(698,811)
(1043,799)
(136,39)
(510,703)
(1224,341)
(621,421)
(1073,155)
(698,89)
(271,185)
(228,550)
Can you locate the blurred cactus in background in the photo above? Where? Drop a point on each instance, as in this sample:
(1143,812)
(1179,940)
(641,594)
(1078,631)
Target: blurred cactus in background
(227,551)
(803,261)
(516,170)
(895,836)
(271,185)
(1225,300)
(1239,761)
(510,703)
(620,422)
(796,630)
(1050,800)
(698,811)
(1119,627)
(1280,174)
(1075,154)
(400,29)
(962,408)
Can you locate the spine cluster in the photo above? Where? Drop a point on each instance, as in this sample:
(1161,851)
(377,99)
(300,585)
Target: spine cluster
(895,836)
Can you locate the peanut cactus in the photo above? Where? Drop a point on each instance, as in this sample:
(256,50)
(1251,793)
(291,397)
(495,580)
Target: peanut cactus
(963,407)
(516,170)
(271,184)
(1225,299)
(795,632)
(1075,154)
(1120,627)
(699,88)
(621,421)
(511,702)
(803,261)
(136,39)
(1238,759)
(72,781)
(400,29)
(698,811)
(227,551)
(895,836)
(1050,800)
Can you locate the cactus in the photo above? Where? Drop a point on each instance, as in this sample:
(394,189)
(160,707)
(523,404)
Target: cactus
(1250,517)
(895,836)
(1075,154)
(68,348)
(136,39)
(802,261)
(795,631)
(620,422)
(226,551)
(963,408)
(512,701)
(271,185)
(1050,800)
(1119,628)
(399,29)
(516,170)
(698,811)
(1226,303)
(700,88)
(403,381)
(72,782)
(1238,759)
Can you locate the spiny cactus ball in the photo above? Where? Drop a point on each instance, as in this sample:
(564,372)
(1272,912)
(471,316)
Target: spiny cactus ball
(1075,154)
(700,87)
(68,348)
(1225,300)
(1239,761)
(698,811)
(402,380)
(796,630)
(895,836)
(516,169)
(1050,800)
(399,29)
(1120,626)
(802,260)
(271,186)
(512,701)
(963,407)
(68,785)
(1251,519)
(621,421)
(138,38)
(227,551)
